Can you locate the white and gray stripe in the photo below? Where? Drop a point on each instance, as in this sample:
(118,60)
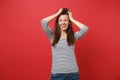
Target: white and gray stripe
(63,56)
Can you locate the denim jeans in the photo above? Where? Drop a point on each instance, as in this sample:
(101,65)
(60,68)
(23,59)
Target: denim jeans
(65,76)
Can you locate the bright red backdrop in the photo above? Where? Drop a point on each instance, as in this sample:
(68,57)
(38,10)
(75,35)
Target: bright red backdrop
(25,52)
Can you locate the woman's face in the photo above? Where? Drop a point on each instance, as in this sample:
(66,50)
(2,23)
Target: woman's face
(63,22)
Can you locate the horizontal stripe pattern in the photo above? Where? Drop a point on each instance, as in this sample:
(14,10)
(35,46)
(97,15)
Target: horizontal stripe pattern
(63,56)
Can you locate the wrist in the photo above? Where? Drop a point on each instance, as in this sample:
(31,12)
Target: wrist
(71,19)
(56,14)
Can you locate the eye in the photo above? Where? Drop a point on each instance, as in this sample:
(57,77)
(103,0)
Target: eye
(60,20)
(65,20)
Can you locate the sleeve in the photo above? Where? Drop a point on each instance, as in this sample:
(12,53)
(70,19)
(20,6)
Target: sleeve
(81,33)
(47,29)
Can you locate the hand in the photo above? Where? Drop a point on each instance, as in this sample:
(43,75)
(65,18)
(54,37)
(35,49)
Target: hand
(59,11)
(70,15)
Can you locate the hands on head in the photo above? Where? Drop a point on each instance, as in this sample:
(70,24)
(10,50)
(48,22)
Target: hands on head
(64,10)
(59,11)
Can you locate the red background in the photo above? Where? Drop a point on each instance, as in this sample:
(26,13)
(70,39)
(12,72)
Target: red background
(25,52)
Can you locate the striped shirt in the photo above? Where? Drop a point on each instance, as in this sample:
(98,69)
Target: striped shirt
(63,56)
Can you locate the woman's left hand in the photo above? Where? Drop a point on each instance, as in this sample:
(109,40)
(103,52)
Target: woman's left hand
(70,15)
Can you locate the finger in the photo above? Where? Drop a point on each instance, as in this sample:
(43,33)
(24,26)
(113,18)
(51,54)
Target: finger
(61,8)
(68,11)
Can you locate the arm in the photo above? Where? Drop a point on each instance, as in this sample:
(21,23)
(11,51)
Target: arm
(45,21)
(83,28)
(49,18)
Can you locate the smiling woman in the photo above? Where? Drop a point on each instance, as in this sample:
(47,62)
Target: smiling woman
(63,22)
(64,64)
(25,52)
(64,28)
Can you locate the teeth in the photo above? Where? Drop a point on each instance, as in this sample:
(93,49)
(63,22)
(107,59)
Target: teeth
(63,26)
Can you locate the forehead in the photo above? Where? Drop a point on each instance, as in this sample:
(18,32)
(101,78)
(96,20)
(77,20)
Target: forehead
(63,17)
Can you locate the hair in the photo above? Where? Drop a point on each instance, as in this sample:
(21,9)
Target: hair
(69,31)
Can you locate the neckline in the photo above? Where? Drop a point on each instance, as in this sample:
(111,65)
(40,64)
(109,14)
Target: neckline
(62,38)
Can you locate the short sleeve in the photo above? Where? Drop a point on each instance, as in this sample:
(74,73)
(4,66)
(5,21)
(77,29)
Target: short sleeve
(47,29)
(81,33)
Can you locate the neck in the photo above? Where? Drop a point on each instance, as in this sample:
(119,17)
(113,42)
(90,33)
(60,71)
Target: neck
(63,34)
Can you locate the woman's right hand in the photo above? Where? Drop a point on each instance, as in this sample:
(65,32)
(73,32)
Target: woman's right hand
(59,11)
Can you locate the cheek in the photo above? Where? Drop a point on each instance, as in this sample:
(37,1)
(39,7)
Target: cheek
(59,23)
(67,23)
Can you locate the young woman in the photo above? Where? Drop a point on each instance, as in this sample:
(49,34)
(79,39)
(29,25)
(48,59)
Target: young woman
(64,64)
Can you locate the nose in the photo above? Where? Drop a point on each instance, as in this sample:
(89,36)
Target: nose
(63,22)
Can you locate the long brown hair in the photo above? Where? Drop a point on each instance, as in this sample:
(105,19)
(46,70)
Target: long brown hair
(69,31)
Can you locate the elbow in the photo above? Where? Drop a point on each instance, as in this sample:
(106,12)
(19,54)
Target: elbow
(85,28)
(43,22)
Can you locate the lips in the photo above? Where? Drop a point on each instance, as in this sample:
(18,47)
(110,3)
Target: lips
(63,26)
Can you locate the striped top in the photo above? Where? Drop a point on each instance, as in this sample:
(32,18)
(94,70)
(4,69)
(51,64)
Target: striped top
(63,56)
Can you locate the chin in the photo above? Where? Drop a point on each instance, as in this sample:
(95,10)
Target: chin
(64,29)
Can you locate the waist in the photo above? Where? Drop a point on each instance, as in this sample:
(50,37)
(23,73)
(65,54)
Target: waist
(70,73)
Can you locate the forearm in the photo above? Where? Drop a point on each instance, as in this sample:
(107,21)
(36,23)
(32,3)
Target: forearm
(79,24)
(49,18)
(47,28)
(83,29)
